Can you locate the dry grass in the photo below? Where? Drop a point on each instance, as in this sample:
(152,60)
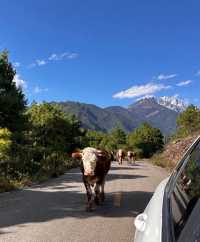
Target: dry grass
(173,152)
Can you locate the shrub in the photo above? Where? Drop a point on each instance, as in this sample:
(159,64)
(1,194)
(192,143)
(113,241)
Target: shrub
(147,139)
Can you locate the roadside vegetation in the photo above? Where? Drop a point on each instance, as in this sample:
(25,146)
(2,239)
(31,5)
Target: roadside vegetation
(188,128)
(36,140)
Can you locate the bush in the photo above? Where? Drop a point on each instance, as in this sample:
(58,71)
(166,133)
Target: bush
(159,160)
(147,139)
(188,122)
(6,185)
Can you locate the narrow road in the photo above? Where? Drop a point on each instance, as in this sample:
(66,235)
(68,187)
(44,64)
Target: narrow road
(55,210)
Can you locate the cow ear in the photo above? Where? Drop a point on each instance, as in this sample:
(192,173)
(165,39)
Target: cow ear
(101,153)
(77,155)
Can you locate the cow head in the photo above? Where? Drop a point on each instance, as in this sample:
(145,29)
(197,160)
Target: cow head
(89,158)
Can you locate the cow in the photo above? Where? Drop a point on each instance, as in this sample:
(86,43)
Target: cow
(131,156)
(94,167)
(120,156)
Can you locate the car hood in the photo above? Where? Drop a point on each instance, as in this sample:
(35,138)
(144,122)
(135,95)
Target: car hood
(153,223)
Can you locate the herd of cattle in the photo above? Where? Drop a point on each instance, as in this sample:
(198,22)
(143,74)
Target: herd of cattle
(95,166)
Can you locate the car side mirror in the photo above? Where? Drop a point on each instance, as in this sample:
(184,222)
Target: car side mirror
(140,222)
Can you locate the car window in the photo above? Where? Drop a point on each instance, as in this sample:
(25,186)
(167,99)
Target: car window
(185,200)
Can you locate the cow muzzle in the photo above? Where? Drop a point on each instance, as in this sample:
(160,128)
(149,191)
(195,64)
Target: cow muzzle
(89,173)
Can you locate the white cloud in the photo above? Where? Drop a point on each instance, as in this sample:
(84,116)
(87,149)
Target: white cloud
(54,57)
(16,64)
(141,90)
(38,89)
(37,63)
(72,56)
(184,83)
(64,55)
(19,82)
(41,62)
(165,77)
(31,65)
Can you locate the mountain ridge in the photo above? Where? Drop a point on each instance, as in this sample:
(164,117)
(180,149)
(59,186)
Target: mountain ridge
(104,119)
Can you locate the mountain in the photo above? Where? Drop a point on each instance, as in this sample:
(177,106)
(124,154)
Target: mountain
(173,103)
(96,118)
(104,119)
(149,110)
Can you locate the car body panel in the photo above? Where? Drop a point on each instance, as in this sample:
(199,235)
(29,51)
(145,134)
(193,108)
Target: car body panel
(153,223)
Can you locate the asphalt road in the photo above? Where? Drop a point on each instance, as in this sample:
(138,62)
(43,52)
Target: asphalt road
(55,210)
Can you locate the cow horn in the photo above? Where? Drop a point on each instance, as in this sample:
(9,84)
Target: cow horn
(77,155)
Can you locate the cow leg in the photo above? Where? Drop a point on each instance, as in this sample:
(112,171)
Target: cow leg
(89,196)
(102,191)
(97,194)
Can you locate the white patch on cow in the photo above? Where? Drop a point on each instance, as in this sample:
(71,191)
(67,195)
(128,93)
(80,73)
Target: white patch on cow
(120,152)
(129,153)
(89,158)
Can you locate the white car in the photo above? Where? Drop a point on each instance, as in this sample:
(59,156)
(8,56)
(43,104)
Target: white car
(173,213)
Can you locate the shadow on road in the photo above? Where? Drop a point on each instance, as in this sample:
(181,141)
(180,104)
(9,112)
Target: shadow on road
(76,176)
(62,198)
(41,206)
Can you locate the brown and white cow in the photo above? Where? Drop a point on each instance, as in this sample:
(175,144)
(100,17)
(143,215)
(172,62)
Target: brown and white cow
(131,156)
(94,166)
(120,156)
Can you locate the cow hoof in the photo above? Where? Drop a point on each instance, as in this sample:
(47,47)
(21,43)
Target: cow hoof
(88,209)
(89,206)
(102,198)
(96,200)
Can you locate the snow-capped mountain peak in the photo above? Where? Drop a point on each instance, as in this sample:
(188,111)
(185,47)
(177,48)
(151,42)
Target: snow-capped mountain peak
(173,103)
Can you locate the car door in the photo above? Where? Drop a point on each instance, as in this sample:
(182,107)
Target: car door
(182,203)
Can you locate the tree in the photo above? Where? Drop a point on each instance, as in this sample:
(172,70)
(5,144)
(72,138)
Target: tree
(5,150)
(94,138)
(114,140)
(53,134)
(51,127)
(12,99)
(146,138)
(188,121)
(118,137)
(107,141)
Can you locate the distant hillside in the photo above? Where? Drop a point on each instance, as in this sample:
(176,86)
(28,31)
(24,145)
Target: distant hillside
(104,119)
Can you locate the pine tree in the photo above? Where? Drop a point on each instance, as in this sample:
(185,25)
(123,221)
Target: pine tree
(12,99)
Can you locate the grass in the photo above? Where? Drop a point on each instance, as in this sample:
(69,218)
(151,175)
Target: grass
(6,186)
(42,176)
(159,160)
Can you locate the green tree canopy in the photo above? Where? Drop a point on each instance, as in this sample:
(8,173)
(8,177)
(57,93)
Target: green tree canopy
(94,138)
(12,99)
(115,139)
(5,145)
(108,141)
(118,136)
(52,128)
(146,138)
(188,121)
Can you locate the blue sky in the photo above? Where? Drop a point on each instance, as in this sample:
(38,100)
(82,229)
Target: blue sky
(103,52)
